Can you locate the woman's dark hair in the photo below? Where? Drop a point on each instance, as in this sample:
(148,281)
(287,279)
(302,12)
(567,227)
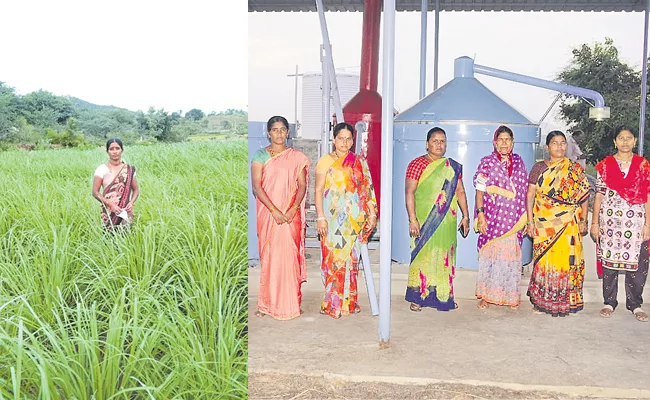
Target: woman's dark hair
(433,130)
(342,125)
(275,119)
(505,129)
(621,129)
(553,134)
(114,140)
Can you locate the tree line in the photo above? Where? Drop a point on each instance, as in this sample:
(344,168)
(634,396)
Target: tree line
(41,119)
(599,67)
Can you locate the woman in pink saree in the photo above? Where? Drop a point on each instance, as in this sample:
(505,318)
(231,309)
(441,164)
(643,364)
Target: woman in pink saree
(120,188)
(279,176)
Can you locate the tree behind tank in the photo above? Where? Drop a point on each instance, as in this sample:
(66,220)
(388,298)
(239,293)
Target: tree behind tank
(599,68)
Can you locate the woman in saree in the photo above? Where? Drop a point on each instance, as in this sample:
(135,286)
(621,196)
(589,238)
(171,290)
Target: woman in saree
(621,223)
(500,218)
(434,186)
(119,187)
(346,217)
(556,205)
(279,176)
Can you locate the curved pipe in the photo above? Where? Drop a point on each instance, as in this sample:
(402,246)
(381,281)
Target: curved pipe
(598,99)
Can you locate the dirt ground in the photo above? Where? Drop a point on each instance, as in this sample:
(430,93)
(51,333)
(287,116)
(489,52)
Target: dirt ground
(299,387)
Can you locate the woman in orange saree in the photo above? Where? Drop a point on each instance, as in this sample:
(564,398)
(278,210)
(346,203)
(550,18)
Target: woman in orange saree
(279,175)
(120,188)
(346,209)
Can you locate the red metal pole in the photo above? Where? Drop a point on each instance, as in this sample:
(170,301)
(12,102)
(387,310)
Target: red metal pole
(370,45)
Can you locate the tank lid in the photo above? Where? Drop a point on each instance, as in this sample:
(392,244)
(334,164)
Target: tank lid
(463,99)
(463,67)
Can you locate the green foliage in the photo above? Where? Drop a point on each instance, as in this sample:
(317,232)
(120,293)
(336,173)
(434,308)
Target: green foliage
(232,111)
(159,313)
(43,109)
(195,114)
(70,137)
(599,68)
(229,122)
(37,119)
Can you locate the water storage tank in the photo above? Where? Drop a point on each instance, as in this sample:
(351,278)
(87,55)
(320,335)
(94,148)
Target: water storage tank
(310,122)
(469,113)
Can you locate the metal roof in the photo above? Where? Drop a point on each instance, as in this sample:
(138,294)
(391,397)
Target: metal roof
(455,5)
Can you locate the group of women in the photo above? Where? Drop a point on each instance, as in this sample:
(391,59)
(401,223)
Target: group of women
(549,204)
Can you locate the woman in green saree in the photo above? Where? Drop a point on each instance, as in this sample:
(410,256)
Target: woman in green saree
(434,185)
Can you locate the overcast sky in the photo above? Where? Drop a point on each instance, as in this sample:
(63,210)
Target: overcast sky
(535,44)
(175,55)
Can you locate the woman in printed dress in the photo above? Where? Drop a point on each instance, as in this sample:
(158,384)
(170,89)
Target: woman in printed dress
(120,188)
(621,223)
(556,205)
(500,218)
(346,216)
(434,187)
(279,175)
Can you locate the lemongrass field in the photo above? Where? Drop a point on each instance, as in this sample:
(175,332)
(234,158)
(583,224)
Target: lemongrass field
(159,313)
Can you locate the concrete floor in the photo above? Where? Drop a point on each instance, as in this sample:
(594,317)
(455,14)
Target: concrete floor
(582,354)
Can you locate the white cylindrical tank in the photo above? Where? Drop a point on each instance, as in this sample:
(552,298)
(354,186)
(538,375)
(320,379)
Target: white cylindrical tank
(310,120)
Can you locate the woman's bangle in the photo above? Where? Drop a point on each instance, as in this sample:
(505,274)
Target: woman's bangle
(372,216)
(413,220)
(271,209)
(530,222)
(321,218)
(296,206)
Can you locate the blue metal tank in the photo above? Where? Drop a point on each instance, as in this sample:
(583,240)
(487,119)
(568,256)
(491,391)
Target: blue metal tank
(257,139)
(469,113)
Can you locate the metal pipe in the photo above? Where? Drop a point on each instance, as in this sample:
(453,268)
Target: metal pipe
(644,79)
(387,107)
(528,80)
(423,49)
(437,41)
(370,283)
(548,110)
(325,128)
(336,97)
(370,45)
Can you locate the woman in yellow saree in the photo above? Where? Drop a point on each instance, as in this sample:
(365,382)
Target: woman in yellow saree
(346,216)
(558,191)
(279,175)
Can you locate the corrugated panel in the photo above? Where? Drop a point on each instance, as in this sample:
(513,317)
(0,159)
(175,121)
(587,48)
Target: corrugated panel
(311,101)
(456,5)
(311,107)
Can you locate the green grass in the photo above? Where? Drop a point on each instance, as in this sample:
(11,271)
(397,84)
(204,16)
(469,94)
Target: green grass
(214,136)
(159,313)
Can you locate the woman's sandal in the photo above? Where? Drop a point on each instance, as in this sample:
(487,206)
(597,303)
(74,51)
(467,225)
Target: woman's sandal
(607,311)
(640,315)
(516,307)
(416,307)
(482,304)
(259,314)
